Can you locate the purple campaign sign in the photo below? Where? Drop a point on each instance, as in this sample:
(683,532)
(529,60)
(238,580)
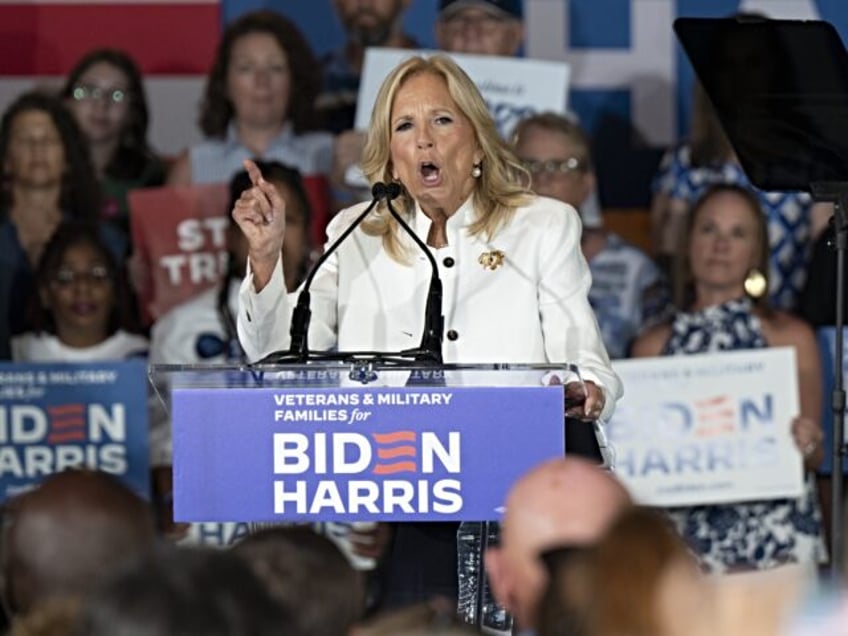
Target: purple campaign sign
(58,416)
(397,454)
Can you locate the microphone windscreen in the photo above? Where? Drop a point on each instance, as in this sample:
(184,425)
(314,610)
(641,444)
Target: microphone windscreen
(392,190)
(378,190)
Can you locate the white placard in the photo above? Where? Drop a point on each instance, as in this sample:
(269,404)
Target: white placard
(708,428)
(513,88)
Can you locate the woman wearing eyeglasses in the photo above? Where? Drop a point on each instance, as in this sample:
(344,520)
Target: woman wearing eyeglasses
(628,292)
(104,91)
(82,311)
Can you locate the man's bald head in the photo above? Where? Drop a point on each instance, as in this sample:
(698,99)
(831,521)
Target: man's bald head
(61,537)
(563,502)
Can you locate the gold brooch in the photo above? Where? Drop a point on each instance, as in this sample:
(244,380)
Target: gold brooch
(491,260)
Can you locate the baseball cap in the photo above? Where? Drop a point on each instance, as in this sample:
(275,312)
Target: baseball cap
(512,8)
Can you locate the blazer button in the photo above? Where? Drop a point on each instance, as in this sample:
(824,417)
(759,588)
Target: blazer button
(452,335)
(448,262)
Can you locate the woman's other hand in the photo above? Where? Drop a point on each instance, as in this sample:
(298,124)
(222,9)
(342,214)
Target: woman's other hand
(261,214)
(584,400)
(808,438)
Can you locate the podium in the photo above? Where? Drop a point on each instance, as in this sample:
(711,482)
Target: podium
(342,441)
(336,441)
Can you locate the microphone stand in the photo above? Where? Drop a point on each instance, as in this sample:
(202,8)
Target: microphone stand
(302,314)
(838,194)
(430,349)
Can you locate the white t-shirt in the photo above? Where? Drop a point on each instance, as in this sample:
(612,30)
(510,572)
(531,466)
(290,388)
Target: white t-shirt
(45,347)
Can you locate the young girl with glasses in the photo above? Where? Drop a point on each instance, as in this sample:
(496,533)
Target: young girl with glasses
(82,310)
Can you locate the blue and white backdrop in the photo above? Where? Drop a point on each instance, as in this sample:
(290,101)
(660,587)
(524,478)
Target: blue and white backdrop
(631,81)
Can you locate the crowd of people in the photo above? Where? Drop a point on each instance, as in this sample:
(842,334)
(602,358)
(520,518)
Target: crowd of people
(82,554)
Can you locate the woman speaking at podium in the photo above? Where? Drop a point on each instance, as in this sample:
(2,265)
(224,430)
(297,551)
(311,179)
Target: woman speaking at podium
(515,280)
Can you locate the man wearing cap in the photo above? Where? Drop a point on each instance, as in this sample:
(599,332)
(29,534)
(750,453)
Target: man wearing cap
(483,27)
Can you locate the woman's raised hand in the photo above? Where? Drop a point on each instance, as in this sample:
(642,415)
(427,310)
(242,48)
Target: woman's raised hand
(260,212)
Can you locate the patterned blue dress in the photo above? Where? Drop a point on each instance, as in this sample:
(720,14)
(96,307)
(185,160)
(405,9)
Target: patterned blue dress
(748,535)
(787,217)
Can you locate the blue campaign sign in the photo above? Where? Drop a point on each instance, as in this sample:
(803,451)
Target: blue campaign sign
(59,416)
(827,347)
(367,454)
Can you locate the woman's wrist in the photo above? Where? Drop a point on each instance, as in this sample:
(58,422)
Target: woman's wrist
(262,269)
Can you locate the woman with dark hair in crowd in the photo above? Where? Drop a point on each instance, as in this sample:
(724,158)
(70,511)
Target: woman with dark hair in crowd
(639,579)
(105,93)
(82,313)
(46,177)
(259,102)
(726,308)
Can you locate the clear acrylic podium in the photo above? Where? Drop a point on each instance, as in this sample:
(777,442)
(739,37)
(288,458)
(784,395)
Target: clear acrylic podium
(361,441)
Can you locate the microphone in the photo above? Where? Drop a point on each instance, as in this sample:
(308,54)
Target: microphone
(430,349)
(302,314)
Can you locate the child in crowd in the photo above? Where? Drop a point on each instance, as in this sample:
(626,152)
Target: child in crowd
(81,312)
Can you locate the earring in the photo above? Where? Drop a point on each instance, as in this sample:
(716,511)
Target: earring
(755,283)
(476,171)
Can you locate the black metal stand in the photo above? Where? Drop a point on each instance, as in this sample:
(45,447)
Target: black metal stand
(838,194)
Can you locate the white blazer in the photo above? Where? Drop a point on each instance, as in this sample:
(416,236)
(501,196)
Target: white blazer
(532,308)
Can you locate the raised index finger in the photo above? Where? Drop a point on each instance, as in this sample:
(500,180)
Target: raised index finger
(253,171)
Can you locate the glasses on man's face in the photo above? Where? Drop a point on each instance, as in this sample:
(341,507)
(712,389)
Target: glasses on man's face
(88,93)
(553,167)
(66,277)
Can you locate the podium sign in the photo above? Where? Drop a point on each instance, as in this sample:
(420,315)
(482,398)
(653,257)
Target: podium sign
(375,453)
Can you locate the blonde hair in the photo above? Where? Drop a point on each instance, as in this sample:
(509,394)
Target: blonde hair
(503,184)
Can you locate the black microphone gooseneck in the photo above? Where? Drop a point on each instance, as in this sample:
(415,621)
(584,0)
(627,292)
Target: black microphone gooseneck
(299,349)
(430,349)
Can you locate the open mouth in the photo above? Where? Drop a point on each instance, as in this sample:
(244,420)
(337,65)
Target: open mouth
(430,173)
(84,308)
